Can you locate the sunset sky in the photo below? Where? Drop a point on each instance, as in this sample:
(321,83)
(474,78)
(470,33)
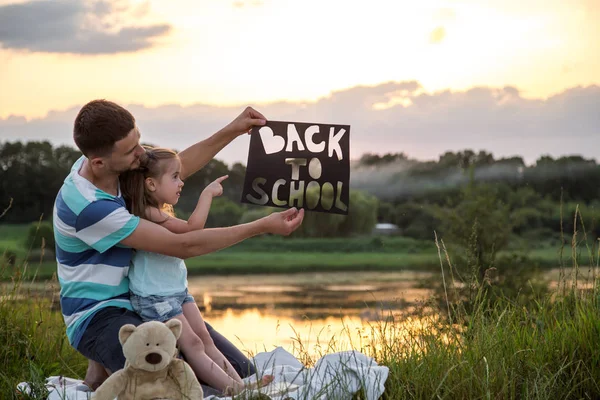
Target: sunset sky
(56,55)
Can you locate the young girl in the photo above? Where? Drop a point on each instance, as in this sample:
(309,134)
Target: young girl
(158,283)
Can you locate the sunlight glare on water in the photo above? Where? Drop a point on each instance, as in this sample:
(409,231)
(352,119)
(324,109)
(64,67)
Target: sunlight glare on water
(311,314)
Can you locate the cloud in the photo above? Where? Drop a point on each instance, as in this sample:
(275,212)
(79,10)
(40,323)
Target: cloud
(437,35)
(445,14)
(242,3)
(77,27)
(407,119)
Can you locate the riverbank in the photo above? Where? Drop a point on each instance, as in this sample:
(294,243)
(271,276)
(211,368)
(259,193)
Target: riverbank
(227,262)
(268,254)
(502,349)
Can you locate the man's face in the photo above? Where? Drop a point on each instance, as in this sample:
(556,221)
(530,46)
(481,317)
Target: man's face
(126,153)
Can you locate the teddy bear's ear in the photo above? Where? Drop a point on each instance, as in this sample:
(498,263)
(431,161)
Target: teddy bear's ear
(125,332)
(175,326)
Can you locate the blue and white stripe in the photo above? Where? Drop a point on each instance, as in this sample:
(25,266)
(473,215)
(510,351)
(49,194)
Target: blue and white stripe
(92,266)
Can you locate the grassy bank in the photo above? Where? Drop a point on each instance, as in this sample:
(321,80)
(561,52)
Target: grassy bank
(34,344)
(546,349)
(251,262)
(284,255)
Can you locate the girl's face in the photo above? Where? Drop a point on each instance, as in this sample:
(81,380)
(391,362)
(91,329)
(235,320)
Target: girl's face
(167,188)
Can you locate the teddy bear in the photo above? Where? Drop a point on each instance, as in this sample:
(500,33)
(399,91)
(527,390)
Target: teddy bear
(152,370)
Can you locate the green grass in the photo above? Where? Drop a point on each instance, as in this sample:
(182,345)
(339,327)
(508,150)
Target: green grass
(501,350)
(12,237)
(490,348)
(246,262)
(547,350)
(17,231)
(285,255)
(252,263)
(479,346)
(34,343)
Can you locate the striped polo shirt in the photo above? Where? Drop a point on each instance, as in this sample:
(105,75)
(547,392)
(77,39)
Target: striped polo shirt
(92,266)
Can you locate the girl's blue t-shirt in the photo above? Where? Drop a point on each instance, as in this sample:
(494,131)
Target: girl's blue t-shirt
(153,274)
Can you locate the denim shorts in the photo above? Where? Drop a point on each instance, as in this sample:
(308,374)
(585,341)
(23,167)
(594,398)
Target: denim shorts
(160,308)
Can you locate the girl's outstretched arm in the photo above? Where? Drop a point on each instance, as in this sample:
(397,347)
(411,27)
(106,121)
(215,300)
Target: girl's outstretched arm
(198,218)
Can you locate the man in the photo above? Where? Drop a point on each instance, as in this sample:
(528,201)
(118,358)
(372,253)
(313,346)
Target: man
(95,234)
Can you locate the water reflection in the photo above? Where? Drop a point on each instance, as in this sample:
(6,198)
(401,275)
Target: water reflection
(309,313)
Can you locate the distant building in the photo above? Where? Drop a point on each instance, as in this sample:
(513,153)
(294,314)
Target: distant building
(385,228)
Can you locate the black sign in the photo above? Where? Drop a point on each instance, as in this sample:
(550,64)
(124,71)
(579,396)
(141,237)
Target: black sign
(297,164)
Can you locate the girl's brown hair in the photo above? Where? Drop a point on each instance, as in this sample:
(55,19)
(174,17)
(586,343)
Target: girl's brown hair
(133,187)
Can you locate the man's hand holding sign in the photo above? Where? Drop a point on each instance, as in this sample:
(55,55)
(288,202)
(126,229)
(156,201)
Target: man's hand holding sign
(296,164)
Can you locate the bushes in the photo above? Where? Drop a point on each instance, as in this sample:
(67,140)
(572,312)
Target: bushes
(361,219)
(9,257)
(40,234)
(364,244)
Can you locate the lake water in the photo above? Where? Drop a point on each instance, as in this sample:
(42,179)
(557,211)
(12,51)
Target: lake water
(310,314)
(314,313)
(306,313)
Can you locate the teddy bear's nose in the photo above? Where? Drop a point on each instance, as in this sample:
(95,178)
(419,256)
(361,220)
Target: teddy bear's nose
(153,358)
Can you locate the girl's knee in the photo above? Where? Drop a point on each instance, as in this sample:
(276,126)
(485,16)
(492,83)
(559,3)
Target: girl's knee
(206,339)
(193,343)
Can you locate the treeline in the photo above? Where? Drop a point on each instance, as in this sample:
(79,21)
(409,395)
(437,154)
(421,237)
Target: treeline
(535,201)
(420,197)
(32,173)
(573,178)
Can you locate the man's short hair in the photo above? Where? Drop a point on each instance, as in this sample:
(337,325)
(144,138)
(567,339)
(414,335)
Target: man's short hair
(99,125)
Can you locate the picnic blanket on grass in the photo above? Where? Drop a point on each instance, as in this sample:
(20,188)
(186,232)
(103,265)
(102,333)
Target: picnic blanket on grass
(334,376)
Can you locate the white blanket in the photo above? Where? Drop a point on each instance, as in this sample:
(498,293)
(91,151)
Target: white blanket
(334,376)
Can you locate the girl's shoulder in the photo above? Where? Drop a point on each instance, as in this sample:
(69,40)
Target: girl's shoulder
(155,215)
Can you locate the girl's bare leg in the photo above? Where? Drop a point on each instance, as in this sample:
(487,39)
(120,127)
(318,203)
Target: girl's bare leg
(204,367)
(194,318)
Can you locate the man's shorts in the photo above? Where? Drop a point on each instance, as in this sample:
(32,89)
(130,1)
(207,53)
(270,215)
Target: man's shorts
(100,341)
(160,308)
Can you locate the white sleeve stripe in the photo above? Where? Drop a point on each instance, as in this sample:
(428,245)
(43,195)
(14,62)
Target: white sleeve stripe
(63,228)
(105,227)
(83,186)
(93,273)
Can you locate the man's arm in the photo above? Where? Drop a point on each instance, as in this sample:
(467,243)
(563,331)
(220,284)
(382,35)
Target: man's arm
(198,155)
(149,236)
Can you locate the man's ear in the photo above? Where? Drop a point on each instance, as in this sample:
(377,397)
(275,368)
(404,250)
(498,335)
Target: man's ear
(175,326)
(125,332)
(97,162)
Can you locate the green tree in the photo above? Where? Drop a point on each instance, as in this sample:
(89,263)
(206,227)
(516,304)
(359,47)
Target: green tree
(362,214)
(40,234)
(417,220)
(224,212)
(318,224)
(386,212)
(361,218)
(195,184)
(31,174)
(479,223)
